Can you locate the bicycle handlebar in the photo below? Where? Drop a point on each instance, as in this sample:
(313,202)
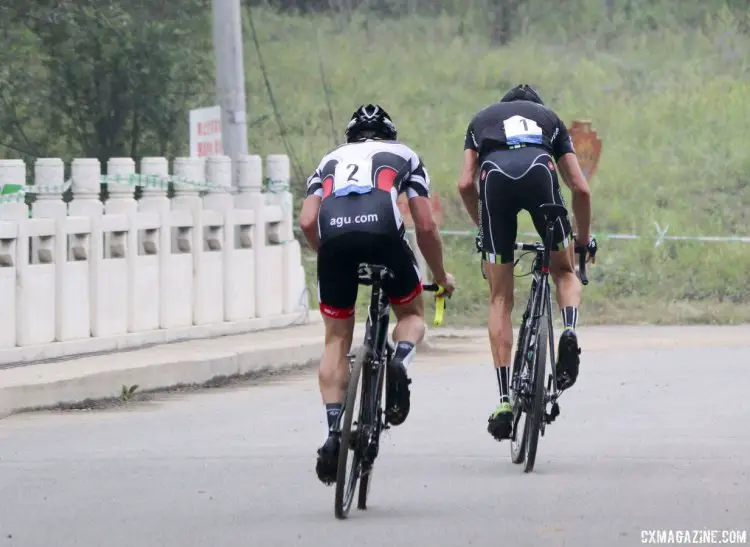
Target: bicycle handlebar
(439,301)
(528,247)
(580,250)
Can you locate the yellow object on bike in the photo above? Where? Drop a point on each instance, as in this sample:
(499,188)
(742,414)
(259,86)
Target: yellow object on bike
(439,306)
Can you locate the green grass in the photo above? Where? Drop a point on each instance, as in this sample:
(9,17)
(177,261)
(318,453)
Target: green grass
(671,107)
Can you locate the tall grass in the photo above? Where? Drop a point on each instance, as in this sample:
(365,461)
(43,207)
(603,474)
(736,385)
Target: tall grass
(671,107)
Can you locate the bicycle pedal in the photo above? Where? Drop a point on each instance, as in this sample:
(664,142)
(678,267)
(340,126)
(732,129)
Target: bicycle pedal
(554,413)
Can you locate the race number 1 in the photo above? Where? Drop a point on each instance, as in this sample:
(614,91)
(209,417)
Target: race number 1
(518,127)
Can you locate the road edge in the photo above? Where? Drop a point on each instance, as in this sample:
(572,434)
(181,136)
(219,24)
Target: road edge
(189,374)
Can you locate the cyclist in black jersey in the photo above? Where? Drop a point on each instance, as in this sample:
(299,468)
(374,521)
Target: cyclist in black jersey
(350,216)
(515,149)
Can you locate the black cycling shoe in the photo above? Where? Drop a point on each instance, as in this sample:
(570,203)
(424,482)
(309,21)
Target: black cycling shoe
(500,422)
(397,395)
(328,459)
(567,359)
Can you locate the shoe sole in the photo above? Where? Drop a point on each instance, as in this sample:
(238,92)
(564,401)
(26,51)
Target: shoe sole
(327,468)
(326,471)
(568,366)
(500,430)
(397,392)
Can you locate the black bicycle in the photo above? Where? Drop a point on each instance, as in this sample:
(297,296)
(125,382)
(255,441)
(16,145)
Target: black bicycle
(529,397)
(363,405)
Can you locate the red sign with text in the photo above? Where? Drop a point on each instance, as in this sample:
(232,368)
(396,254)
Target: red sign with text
(205,132)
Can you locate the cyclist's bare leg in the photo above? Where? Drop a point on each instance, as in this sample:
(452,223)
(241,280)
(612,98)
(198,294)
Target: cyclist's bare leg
(333,373)
(568,296)
(409,321)
(567,284)
(409,331)
(500,278)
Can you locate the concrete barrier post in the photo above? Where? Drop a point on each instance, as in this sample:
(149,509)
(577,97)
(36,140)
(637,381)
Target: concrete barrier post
(49,183)
(219,179)
(155,183)
(211,268)
(73,288)
(250,196)
(177,289)
(13,206)
(109,252)
(86,176)
(154,200)
(277,219)
(278,180)
(8,272)
(237,252)
(35,294)
(121,183)
(189,175)
(295,294)
(143,263)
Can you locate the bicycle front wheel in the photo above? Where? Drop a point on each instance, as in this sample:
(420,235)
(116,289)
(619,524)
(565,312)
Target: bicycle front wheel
(346,482)
(534,421)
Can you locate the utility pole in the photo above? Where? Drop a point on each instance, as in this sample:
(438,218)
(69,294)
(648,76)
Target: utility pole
(230,79)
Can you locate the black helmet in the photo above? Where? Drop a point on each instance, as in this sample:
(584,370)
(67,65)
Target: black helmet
(370,121)
(522,92)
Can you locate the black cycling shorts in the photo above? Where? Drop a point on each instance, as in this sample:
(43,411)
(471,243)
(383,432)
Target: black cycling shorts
(362,229)
(511,180)
(339,259)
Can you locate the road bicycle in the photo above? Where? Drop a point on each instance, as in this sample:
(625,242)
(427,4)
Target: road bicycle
(362,419)
(529,397)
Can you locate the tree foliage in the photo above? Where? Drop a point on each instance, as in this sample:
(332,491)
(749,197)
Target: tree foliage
(105,78)
(100,79)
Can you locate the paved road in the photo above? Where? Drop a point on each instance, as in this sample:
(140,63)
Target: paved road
(654,437)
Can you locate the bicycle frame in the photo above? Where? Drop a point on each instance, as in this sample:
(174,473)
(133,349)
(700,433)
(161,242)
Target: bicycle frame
(539,300)
(373,371)
(378,317)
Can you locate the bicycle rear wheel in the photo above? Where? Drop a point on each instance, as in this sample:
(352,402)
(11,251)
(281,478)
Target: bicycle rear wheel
(347,483)
(534,420)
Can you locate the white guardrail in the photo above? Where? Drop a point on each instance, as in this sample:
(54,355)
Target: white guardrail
(89,276)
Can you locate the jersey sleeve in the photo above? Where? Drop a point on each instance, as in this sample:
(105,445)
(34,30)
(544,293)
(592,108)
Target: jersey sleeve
(315,184)
(418,180)
(470,141)
(562,144)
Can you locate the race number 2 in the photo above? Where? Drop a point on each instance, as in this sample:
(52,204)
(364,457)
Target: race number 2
(352,178)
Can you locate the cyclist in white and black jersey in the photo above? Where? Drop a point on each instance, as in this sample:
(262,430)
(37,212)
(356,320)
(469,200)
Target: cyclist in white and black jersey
(515,149)
(350,216)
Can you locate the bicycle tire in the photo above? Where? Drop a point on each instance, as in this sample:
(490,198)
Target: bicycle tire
(344,495)
(518,447)
(366,480)
(534,423)
(364,490)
